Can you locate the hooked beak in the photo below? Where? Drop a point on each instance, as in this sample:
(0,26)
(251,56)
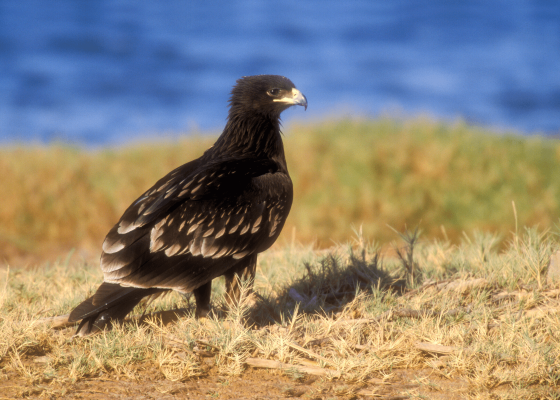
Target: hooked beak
(297,99)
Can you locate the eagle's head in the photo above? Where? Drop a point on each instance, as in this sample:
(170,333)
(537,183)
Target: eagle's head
(267,95)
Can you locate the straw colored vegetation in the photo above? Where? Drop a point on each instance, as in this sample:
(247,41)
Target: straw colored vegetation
(445,178)
(438,320)
(444,315)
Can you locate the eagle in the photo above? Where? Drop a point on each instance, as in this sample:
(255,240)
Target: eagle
(209,217)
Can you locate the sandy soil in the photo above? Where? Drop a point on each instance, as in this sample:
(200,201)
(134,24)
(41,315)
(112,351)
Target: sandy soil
(254,384)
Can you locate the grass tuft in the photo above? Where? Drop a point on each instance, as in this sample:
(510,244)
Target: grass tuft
(482,319)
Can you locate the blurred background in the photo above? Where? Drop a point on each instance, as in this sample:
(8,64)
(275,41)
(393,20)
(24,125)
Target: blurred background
(98,73)
(99,99)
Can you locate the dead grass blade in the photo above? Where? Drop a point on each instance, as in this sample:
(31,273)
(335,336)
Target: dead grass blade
(271,364)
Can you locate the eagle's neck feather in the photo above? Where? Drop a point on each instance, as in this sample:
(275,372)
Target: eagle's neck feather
(254,135)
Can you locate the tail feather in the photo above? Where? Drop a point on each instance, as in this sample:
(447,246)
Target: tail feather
(111,302)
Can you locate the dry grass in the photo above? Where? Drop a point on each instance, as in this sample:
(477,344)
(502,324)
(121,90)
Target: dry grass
(479,323)
(346,173)
(445,316)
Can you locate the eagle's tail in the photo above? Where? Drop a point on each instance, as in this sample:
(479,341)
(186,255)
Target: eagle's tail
(111,302)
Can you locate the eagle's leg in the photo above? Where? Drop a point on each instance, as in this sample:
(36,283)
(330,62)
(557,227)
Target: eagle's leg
(202,297)
(244,271)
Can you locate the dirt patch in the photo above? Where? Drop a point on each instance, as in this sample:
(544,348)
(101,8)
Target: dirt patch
(252,384)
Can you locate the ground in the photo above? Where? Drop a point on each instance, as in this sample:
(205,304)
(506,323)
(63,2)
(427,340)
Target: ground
(253,384)
(434,322)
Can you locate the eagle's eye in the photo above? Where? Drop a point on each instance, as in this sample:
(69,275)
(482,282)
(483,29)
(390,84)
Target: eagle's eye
(274,92)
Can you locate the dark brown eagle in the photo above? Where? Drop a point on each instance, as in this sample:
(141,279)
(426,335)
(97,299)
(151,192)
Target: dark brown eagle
(207,218)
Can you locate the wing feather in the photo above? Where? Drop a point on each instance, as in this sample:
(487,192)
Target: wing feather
(196,223)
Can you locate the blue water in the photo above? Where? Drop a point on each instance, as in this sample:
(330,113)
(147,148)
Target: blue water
(108,72)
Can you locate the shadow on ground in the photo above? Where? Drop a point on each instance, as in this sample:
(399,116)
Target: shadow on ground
(328,286)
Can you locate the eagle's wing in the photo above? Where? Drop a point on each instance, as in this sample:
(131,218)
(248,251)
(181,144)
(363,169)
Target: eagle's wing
(196,223)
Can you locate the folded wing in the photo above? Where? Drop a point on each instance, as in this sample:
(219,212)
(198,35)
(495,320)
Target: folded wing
(196,223)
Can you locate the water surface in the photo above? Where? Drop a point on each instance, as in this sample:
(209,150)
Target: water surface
(106,72)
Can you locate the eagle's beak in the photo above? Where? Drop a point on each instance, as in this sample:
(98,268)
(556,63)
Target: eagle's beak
(297,99)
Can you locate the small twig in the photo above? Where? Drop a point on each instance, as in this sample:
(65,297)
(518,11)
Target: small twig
(309,352)
(307,363)
(503,297)
(461,285)
(438,349)
(262,363)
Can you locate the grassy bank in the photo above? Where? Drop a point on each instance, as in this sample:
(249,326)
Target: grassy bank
(444,178)
(471,323)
